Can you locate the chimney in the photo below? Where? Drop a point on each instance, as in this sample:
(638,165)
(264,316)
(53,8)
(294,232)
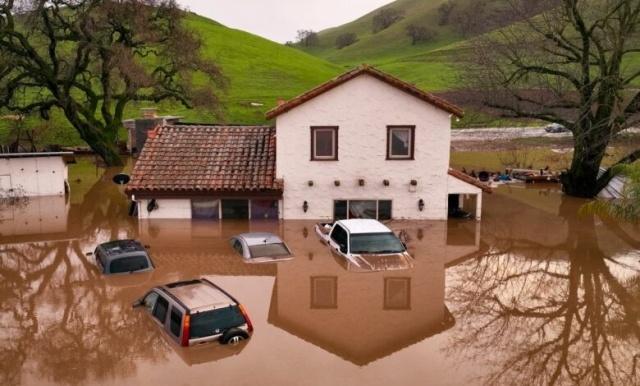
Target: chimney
(149,112)
(151,134)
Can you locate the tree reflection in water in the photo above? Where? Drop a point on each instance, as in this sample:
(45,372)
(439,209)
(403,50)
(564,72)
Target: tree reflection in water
(59,313)
(540,313)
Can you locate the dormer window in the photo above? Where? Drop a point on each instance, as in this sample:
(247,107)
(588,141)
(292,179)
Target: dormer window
(324,143)
(400,142)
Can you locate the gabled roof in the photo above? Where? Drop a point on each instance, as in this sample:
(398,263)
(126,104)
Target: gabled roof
(191,159)
(470,180)
(368,70)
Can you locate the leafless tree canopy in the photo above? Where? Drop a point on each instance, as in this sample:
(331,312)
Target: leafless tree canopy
(420,34)
(346,39)
(307,38)
(385,18)
(571,64)
(90,58)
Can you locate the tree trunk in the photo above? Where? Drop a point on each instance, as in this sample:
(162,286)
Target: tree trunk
(581,180)
(101,140)
(109,153)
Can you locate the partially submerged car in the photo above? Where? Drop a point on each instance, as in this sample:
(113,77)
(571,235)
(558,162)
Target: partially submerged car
(122,256)
(367,244)
(261,247)
(197,311)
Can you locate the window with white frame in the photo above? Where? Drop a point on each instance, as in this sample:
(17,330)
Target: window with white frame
(400,142)
(324,143)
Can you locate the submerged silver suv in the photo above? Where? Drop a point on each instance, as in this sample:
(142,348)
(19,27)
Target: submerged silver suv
(197,311)
(122,256)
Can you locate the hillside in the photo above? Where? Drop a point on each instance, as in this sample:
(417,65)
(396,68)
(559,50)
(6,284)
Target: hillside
(259,71)
(429,64)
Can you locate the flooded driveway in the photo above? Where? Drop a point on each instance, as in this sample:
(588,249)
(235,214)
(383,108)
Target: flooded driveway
(534,294)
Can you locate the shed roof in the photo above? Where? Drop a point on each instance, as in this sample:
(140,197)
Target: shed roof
(470,180)
(190,159)
(366,70)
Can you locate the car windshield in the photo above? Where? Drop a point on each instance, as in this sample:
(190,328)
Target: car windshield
(376,243)
(129,264)
(269,250)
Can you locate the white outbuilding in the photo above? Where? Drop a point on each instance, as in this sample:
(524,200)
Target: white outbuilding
(34,174)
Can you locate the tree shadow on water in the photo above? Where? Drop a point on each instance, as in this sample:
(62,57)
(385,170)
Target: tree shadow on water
(538,313)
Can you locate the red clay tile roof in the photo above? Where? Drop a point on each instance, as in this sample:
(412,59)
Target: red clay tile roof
(366,69)
(470,180)
(191,159)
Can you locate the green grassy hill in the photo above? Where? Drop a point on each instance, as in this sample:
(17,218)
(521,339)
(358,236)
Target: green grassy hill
(259,72)
(428,64)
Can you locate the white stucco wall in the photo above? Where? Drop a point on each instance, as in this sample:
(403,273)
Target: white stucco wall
(456,186)
(170,208)
(363,108)
(35,176)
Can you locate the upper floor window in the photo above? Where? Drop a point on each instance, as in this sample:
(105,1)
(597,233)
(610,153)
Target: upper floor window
(400,142)
(324,143)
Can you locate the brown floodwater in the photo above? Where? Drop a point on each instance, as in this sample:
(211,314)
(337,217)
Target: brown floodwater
(533,294)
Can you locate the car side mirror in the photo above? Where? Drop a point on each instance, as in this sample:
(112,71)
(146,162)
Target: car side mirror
(89,254)
(137,303)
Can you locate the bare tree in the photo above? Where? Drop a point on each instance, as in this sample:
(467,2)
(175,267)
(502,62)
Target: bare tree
(385,18)
(444,12)
(420,34)
(90,58)
(307,38)
(568,65)
(346,39)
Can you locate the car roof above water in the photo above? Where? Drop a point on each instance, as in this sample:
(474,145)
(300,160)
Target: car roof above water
(356,226)
(199,294)
(121,247)
(259,238)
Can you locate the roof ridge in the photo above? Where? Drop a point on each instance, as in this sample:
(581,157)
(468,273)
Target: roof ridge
(355,72)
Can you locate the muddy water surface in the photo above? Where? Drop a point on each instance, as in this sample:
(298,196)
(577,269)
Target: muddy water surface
(532,295)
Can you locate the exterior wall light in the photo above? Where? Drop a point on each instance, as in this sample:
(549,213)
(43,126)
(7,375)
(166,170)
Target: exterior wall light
(414,182)
(305,206)
(310,183)
(361,182)
(385,182)
(420,205)
(336,182)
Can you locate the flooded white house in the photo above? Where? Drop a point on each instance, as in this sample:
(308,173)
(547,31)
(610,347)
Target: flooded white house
(363,145)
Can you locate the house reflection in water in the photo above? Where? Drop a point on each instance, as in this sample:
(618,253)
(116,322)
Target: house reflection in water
(24,219)
(363,317)
(360,317)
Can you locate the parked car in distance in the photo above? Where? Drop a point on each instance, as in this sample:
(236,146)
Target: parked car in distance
(197,311)
(367,244)
(555,128)
(261,247)
(122,256)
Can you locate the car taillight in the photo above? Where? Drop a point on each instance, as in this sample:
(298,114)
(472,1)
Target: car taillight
(186,324)
(246,317)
